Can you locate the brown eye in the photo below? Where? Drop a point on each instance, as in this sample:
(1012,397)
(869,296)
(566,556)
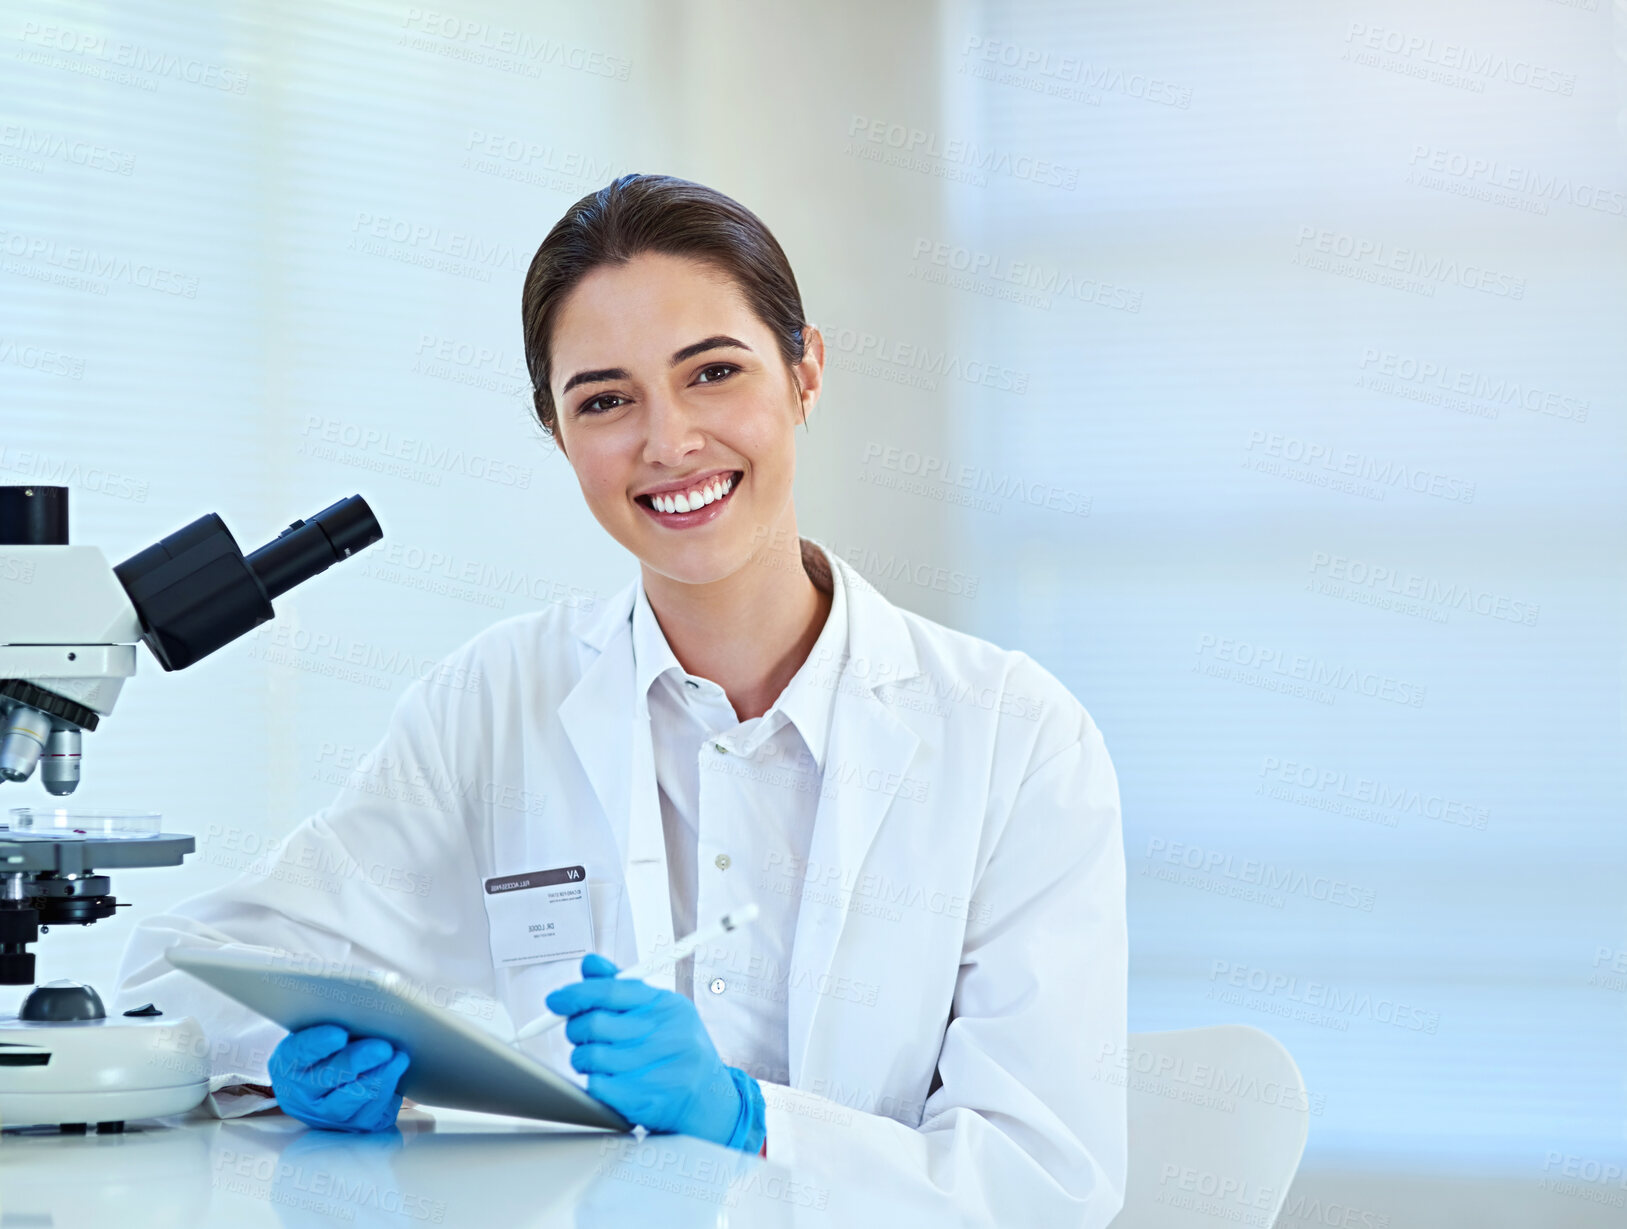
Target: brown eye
(592,406)
(727,368)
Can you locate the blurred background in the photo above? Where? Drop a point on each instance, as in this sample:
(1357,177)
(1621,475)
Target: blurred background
(1254,366)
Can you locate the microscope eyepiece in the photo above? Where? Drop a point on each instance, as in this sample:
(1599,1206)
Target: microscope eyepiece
(194,590)
(308,547)
(33,515)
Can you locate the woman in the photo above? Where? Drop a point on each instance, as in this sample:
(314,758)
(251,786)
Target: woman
(929,824)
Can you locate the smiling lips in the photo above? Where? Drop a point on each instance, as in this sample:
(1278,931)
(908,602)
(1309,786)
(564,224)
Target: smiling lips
(691,499)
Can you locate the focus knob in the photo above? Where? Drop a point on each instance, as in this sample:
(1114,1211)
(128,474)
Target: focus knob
(62,1001)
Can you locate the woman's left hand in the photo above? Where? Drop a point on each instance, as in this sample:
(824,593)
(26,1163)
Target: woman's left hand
(648,1056)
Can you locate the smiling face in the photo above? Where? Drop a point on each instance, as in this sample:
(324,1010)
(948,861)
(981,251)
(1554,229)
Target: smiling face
(672,395)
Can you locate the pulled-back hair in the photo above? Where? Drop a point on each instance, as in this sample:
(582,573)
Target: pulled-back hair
(655,213)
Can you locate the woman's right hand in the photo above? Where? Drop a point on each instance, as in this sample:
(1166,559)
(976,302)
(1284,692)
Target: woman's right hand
(325,1079)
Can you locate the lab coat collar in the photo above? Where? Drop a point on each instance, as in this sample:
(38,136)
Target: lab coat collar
(809,698)
(879,640)
(652,653)
(867,741)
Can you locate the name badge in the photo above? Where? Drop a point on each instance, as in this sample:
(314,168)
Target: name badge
(538,916)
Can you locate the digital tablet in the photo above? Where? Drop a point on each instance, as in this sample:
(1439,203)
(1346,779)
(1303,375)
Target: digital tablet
(454,1064)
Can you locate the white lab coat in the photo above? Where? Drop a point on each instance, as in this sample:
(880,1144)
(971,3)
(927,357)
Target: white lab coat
(964,889)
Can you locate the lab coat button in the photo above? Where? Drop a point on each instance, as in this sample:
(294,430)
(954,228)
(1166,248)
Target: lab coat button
(722,861)
(715,985)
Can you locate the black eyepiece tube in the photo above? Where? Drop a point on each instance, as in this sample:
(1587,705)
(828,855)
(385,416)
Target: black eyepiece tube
(195,591)
(33,515)
(306,548)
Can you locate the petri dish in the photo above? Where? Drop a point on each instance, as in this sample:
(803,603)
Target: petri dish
(62,824)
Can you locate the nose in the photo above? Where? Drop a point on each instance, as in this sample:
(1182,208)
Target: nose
(671,433)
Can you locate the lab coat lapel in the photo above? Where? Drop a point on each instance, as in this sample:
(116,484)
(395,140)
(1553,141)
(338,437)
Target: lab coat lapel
(867,743)
(609,728)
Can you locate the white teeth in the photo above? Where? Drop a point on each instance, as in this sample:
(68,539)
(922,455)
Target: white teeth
(685,502)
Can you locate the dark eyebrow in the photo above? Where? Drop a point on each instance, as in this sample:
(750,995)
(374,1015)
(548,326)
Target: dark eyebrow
(690,351)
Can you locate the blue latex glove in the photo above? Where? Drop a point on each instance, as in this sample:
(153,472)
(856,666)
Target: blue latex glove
(648,1056)
(325,1079)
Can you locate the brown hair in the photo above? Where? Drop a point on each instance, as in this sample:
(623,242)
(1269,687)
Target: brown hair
(656,213)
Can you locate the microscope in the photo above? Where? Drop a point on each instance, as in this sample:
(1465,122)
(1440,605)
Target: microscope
(69,625)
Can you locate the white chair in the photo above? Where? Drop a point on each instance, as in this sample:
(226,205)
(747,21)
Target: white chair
(1218,1119)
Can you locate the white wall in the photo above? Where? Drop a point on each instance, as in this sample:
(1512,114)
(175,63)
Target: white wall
(1454,993)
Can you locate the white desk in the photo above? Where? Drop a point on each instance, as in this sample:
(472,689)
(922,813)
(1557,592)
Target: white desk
(440,1168)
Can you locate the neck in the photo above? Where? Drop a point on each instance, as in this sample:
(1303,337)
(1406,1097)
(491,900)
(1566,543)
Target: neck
(750,632)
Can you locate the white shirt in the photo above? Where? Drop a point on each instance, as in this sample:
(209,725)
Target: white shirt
(737,807)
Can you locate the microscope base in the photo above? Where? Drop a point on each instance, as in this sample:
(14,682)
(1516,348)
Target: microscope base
(102,1072)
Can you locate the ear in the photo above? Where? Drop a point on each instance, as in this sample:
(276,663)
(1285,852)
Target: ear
(810,371)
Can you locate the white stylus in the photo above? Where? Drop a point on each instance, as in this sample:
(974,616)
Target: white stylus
(680,949)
